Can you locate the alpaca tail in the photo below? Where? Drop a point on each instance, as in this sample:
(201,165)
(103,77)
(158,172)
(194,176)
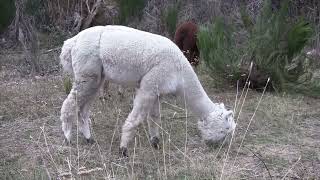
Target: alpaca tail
(65,56)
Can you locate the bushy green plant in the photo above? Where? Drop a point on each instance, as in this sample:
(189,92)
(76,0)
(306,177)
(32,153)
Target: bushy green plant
(218,50)
(67,84)
(7,12)
(170,17)
(129,8)
(271,43)
(38,10)
(274,41)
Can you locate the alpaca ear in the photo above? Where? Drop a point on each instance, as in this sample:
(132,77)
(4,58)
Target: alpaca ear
(221,105)
(229,114)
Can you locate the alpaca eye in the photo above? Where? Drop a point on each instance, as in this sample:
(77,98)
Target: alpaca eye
(226,119)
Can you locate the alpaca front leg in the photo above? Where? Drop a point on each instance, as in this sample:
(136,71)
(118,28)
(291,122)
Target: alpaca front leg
(121,90)
(103,92)
(142,106)
(153,125)
(154,134)
(128,130)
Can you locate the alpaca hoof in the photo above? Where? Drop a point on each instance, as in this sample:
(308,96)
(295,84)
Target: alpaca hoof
(123,152)
(69,143)
(90,141)
(102,99)
(155,142)
(120,94)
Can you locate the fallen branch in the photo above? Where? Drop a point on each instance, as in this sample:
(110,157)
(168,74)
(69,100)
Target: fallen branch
(81,172)
(86,172)
(260,160)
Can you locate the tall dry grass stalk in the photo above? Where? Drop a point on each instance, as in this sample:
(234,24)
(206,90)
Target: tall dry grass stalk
(163,139)
(47,146)
(133,157)
(291,168)
(186,123)
(77,123)
(233,132)
(251,119)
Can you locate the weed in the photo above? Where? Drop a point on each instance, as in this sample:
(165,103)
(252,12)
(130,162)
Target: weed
(129,9)
(272,42)
(218,50)
(170,17)
(67,84)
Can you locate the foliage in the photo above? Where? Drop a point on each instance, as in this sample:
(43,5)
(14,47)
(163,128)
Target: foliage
(7,9)
(218,50)
(272,42)
(297,37)
(129,8)
(67,84)
(170,17)
(38,10)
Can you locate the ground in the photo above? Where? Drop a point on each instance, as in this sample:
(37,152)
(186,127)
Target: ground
(282,141)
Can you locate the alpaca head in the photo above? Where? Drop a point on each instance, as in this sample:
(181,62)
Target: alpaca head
(217,125)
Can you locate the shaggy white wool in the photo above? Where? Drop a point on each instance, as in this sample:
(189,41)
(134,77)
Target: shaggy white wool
(151,63)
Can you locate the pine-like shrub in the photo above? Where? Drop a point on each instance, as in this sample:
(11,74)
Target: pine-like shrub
(130,8)
(170,17)
(272,42)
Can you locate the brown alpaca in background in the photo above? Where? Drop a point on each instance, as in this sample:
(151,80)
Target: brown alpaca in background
(186,39)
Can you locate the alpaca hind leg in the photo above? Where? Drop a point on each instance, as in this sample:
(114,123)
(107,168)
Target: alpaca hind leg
(76,105)
(88,89)
(68,114)
(84,126)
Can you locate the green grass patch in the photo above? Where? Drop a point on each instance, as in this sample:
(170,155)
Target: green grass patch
(129,9)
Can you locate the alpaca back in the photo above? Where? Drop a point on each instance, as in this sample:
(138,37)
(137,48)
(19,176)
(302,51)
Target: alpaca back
(128,54)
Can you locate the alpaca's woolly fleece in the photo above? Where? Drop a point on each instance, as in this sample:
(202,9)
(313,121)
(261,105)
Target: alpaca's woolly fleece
(151,63)
(210,122)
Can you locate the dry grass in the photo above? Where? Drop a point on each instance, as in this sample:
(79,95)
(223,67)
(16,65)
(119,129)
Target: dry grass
(282,140)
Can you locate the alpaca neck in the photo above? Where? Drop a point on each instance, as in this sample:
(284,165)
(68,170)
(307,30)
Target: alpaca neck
(196,98)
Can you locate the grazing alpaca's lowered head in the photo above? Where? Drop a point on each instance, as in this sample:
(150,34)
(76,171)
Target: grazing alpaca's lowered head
(151,63)
(186,39)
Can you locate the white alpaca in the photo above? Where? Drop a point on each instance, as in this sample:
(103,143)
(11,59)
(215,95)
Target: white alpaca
(151,63)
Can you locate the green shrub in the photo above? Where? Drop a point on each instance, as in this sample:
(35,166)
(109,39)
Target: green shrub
(67,84)
(7,12)
(130,8)
(38,10)
(170,17)
(218,50)
(272,41)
